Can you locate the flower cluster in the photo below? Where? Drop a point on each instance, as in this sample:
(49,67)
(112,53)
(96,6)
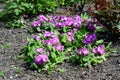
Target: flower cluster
(48,34)
(89,38)
(59,21)
(60,34)
(99,50)
(59,47)
(62,21)
(53,40)
(40,59)
(37,38)
(90,23)
(83,51)
(39,22)
(40,50)
(70,36)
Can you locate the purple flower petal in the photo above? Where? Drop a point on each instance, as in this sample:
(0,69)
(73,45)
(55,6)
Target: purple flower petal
(59,47)
(89,38)
(40,59)
(40,50)
(37,38)
(94,50)
(83,51)
(100,50)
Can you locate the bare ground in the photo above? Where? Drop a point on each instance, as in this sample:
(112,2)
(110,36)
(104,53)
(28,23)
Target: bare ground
(12,41)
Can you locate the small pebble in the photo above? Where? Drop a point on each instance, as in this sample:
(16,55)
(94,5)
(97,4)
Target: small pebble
(4,77)
(90,66)
(11,77)
(84,72)
(16,75)
(118,61)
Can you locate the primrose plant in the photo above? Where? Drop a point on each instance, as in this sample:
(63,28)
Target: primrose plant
(44,51)
(61,35)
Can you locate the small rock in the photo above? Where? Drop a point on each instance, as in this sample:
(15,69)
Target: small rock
(118,61)
(4,77)
(84,72)
(11,77)
(16,75)
(90,66)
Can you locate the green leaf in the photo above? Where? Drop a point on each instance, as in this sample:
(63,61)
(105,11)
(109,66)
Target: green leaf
(108,46)
(103,57)
(53,55)
(73,59)
(46,66)
(89,47)
(69,49)
(64,29)
(27,59)
(17,11)
(49,47)
(94,60)
(100,61)
(64,39)
(34,65)
(86,58)
(31,54)
(38,28)
(99,42)
(85,64)
(101,12)
(84,16)
(118,26)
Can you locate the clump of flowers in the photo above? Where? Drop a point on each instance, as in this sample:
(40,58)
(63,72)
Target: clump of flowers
(63,21)
(40,59)
(60,35)
(99,50)
(37,38)
(44,51)
(39,22)
(83,51)
(89,38)
(40,50)
(59,47)
(70,36)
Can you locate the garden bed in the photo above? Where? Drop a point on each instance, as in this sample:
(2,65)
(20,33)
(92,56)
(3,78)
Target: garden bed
(13,67)
(12,41)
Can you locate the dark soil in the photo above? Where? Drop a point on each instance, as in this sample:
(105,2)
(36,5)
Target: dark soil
(11,43)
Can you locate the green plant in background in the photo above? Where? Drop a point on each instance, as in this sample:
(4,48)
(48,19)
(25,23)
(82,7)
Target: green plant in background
(1,1)
(32,7)
(18,23)
(15,9)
